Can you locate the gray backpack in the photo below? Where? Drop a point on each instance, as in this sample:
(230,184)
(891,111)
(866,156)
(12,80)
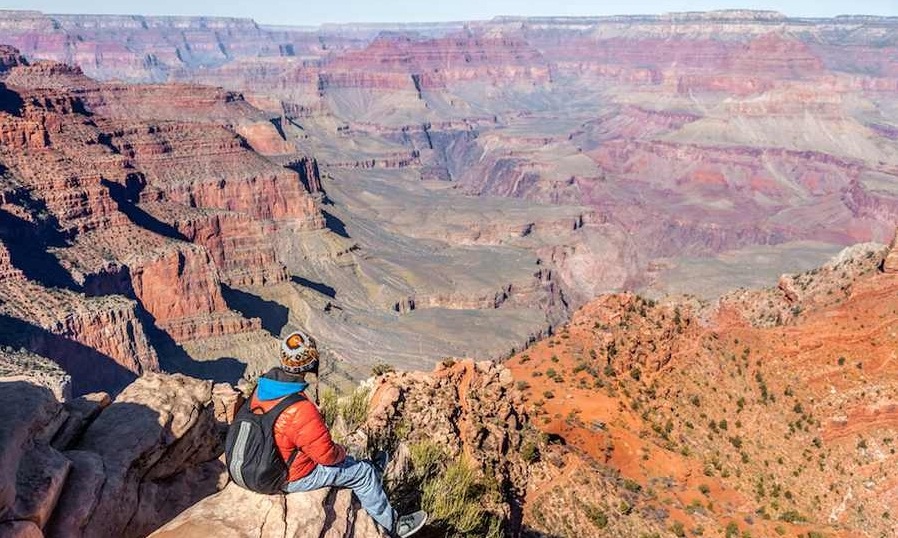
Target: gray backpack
(252,456)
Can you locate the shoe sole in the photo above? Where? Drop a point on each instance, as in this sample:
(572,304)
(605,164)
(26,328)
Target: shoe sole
(416,529)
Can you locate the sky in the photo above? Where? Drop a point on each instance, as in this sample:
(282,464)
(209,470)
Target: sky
(322,11)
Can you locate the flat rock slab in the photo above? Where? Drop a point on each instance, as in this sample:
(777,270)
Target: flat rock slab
(235,512)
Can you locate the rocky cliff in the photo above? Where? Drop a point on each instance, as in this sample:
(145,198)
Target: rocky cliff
(126,210)
(91,467)
(765,412)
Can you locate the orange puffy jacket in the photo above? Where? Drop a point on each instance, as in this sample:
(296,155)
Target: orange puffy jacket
(301,428)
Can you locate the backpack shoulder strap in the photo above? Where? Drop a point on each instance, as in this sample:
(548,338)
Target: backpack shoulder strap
(271,416)
(282,405)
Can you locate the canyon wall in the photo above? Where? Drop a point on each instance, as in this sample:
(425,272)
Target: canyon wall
(387,184)
(122,223)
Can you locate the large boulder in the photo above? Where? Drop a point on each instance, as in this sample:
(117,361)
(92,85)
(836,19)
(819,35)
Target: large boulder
(81,412)
(91,468)
(237,513)
(79,497)
(158,427)
(32,472)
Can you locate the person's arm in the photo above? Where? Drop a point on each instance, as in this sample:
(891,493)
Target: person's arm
(314,439)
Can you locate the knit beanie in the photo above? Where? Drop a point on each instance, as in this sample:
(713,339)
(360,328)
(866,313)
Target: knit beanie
(299,353)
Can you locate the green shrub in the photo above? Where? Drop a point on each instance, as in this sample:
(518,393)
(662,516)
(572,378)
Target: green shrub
(678,530)
(530,452)
(732,530)
(382,368)
(457,500)
(427,458)
(329,404)
(596,515)
(353,408)
(791,516)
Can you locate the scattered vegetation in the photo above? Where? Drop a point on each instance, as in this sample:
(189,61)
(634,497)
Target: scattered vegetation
(353,408)
(382,368)
(454,494)
(596,515)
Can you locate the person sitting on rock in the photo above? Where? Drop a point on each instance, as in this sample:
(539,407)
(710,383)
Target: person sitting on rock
(301,433)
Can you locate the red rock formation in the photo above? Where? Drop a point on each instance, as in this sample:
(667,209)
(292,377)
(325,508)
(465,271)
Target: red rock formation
(402,62)
(717,399)
(264,138)
(309,174)
(200,311)
(8,271)
(158,207)
(239,245)
(862,202)
(9,57)
(99,342)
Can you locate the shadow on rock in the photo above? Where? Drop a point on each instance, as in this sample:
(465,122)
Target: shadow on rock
(10,101)
(221,370)
(126,198)
(90,369)
(334,224)
(145,458)
(320,287)
(273,315)
(172,356)
(29,245)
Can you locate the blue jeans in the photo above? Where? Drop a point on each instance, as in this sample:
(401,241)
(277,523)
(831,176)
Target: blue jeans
(358,475)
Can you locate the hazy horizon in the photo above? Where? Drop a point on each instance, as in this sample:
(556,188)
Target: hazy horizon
(409,11)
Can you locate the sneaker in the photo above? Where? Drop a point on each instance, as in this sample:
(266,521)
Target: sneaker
(409,524)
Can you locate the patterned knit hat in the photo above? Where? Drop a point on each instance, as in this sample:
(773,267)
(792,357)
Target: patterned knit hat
(299,353)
